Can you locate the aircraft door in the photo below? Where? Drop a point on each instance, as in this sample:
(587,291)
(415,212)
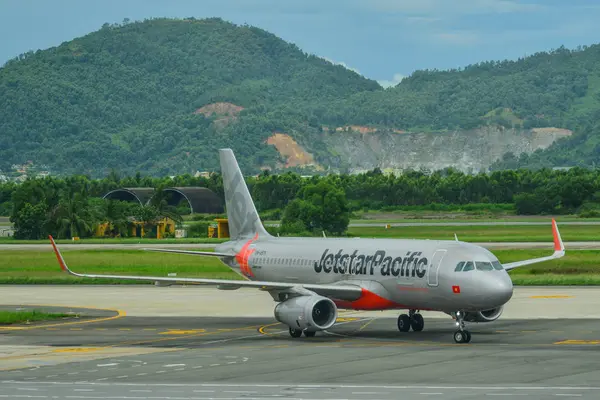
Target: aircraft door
(434,267)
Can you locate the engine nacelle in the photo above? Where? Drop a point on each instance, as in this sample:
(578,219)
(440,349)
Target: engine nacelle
(315,313)
(484,316)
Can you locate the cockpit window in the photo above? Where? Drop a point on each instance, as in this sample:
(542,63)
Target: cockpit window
(484,265)
(459,266)
(497,265)
(468,266)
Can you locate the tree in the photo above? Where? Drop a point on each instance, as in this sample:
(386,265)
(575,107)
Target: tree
(30,221)
(160,202)
(148,215)
(117,214)
(73,215)
(320,207)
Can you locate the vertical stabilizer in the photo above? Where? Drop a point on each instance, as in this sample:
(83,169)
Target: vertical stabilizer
(244,221)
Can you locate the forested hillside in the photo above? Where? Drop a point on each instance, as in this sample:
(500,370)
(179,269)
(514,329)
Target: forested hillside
(125,96)
(160,96)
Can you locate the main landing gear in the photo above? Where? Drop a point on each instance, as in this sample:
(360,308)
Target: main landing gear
(413,320)
(296,333)
(461,335)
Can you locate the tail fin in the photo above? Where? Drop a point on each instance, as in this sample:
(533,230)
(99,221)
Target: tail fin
(244,221)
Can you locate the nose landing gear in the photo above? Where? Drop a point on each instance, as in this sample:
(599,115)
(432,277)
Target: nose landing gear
(461,335)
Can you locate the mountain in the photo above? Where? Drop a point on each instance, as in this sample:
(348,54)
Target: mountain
(130,96)
(160,96)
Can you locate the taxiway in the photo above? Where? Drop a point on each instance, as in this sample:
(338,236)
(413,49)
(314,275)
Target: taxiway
(131,354)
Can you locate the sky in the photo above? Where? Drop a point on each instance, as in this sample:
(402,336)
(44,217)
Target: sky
(383,40)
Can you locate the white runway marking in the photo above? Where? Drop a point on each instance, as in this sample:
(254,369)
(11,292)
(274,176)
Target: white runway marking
(369,392)
(569,389)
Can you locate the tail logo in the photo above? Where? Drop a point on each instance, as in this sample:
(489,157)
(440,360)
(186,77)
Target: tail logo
(244,255)
(242,219)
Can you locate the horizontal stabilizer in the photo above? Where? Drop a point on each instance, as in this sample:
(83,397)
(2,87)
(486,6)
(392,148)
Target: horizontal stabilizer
(191,252)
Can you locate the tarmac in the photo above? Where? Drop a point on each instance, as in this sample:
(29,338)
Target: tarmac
(202,343)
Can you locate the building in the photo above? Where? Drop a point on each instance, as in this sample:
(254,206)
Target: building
(200,200)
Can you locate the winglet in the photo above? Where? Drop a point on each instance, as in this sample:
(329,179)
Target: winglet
(455,237)
(59,257)
(559,247)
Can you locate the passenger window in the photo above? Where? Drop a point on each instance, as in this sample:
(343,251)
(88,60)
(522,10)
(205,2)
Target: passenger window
(459,266)
(484,266)
(497,265)
(468,266)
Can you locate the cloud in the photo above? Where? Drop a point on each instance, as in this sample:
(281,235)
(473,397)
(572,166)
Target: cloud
(460,38)
(457,7)
(422,20)
(397,78)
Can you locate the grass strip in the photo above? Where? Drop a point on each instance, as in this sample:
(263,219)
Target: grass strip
(41,267)
(519,233)
(16,317)
(10,240)
(578,267)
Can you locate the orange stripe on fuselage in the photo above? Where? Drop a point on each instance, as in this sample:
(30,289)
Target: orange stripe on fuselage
(369,301)
(244,255)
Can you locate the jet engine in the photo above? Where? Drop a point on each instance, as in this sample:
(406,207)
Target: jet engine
(484,316)
(315,313)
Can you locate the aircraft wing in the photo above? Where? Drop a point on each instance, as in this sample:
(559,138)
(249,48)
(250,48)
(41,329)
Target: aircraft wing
(340,292)
(559,251)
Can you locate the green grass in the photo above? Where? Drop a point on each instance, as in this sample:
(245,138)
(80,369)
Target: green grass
(455,216)
(523,233)
(15,317)
(467,219)
(578,267)
(575,268)
(5,240)
(29,267)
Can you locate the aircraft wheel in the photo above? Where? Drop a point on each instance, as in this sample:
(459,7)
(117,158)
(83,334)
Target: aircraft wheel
(417,322)
(295,333)
(403,323)
(310,333)
(462,336)
(468,336)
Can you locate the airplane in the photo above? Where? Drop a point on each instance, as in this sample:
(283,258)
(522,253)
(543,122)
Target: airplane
(311,278)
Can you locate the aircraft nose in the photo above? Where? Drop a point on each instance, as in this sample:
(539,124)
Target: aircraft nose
(500,289)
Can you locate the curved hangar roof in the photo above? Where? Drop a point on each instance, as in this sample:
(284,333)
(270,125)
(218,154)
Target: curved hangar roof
(141,195)
(200,199)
